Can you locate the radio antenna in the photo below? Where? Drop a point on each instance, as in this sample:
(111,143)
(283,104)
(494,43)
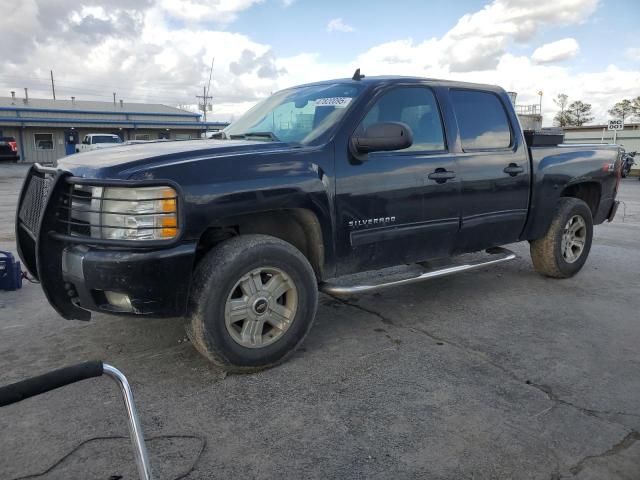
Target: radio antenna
(357,76)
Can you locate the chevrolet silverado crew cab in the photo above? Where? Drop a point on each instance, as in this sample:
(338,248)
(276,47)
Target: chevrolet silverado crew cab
(307,190)
(95,141)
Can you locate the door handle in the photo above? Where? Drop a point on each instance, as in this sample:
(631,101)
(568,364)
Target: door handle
(441,175)
(513,169)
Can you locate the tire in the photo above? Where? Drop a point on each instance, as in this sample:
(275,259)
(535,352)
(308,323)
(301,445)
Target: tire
(264,326)
(547,253)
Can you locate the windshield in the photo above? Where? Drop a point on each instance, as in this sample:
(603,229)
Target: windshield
(106,139)
(297,115)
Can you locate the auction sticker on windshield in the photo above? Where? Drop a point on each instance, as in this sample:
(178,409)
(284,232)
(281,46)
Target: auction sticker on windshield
(338,102)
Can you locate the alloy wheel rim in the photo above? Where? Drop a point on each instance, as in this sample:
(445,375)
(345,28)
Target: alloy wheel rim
(574,237)
(261,307)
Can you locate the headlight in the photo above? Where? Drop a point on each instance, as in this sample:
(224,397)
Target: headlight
(142,213)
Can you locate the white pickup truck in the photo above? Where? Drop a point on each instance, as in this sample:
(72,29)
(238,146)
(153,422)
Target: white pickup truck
(94,141)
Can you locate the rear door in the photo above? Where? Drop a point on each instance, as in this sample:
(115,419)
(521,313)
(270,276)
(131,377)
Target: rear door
(391,208)
(493,167)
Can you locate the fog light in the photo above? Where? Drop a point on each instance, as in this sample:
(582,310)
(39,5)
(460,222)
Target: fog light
(119,300)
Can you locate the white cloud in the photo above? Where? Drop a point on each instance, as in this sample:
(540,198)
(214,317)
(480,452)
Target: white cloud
(221,11)
(154,63)
(632,53)
(479,39)
(338,25)
(556,51)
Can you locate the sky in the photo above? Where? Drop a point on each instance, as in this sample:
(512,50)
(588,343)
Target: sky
(160,51)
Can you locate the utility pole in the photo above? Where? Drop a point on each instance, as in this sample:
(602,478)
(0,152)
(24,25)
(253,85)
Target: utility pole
(205,102)
(205,93)
(53,86)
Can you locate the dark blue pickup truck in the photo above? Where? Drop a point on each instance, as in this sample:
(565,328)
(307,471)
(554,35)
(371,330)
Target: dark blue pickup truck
(311,187)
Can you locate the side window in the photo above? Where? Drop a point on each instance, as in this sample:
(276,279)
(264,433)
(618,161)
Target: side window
(415,106)
(481,119)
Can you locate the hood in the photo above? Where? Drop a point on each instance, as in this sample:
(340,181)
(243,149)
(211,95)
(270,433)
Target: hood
(124,161)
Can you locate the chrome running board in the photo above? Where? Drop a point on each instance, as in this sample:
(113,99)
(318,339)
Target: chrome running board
(338,287)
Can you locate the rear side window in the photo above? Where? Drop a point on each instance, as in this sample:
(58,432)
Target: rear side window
(481,119)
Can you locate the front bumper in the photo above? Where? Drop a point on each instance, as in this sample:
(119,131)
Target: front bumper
(156,282)
(76,272)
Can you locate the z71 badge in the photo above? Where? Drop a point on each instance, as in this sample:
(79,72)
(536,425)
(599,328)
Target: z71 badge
(368,222)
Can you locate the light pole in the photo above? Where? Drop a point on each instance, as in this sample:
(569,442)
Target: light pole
(540,93)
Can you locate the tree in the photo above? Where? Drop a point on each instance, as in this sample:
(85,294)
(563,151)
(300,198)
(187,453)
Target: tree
(622,109)
(562,118)
(635,105)
(579,113)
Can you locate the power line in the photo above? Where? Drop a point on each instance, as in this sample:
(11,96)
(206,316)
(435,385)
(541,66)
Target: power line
(78,86)
(131,96)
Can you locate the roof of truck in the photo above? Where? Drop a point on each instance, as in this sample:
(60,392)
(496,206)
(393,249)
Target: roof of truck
(388,79)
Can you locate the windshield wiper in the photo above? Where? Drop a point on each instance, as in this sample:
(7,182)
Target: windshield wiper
(270,135)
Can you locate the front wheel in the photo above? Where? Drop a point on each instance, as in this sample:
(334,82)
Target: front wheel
(564,249)
(253,301)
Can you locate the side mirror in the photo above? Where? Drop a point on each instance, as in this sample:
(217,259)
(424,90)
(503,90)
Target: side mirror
(383,136)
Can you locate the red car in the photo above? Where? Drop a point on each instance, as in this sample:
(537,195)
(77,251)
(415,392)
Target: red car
(9,149)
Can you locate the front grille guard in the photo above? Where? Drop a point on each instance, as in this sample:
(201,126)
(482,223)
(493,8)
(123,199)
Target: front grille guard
(44,229)
(32,201)
(36,218)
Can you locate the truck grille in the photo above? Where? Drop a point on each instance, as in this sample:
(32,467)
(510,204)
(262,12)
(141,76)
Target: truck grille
(34,201)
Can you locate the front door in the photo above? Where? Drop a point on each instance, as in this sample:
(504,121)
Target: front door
(70,141)
(400,206)
(493,166)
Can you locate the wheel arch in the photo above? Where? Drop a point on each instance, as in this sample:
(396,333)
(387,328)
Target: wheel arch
(589,192)
(298,226)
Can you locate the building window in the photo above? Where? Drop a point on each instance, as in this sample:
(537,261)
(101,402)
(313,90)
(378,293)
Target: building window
(183,136)
(142,136)
(43,141)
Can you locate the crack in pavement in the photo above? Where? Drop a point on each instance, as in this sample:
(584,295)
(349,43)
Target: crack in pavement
(631,437)
(543,388)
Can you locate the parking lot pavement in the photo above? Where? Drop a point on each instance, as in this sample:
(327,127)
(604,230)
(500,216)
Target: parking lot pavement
(497,373)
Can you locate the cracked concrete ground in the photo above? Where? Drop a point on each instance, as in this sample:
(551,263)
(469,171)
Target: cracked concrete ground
(493,374)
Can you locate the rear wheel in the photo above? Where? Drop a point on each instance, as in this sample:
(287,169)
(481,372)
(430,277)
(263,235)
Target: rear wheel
(564,249)
(253,300)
